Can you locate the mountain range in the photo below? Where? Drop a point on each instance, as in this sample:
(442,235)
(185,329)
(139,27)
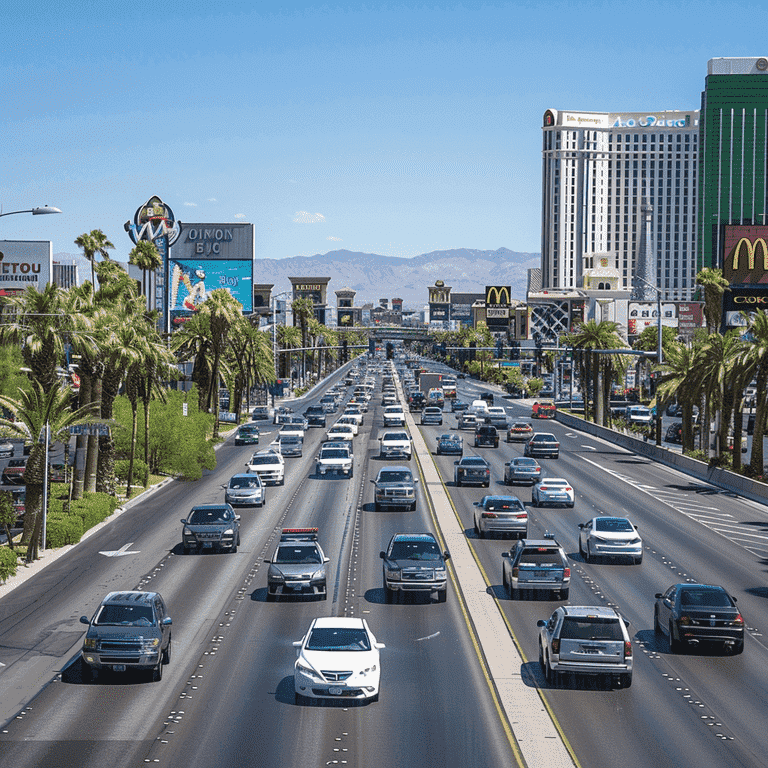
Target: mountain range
(373,276)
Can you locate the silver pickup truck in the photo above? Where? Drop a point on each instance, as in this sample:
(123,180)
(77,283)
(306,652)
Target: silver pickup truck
(538,565)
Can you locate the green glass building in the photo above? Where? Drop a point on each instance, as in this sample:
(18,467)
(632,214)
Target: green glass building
(733,151)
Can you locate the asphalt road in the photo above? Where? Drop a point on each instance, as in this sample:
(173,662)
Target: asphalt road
(227,696)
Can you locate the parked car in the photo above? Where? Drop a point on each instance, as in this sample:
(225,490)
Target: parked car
(486,435)
(519,432)
(552,490)
(450,443)
(338,658)
(536,565)
(585,640)
(13,473)
(610,537)
(544,445)
(245,489)
(211,526)
(6,449)
(395,487)
(413,562)
(128,631)
(472,470)
(501,514)
(695,614)
(521,469)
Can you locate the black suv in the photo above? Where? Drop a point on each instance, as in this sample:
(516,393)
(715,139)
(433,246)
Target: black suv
(417,401)
(486,434)
(130,630)
(211,526)
(315,416)
(413,562)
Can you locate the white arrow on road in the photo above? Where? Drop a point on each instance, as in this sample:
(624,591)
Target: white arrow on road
(120,552)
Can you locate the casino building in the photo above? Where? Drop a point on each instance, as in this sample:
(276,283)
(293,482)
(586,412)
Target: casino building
(601,174)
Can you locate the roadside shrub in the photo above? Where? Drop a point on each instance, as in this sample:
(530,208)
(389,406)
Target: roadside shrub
(9,562)
(140,471)
(63,529)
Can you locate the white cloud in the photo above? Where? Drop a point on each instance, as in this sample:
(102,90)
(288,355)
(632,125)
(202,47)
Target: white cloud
(212,200)
(191,205)
(336,239)
(239,215)
(304,217)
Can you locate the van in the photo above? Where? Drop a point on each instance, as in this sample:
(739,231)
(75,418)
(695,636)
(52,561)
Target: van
(478,407)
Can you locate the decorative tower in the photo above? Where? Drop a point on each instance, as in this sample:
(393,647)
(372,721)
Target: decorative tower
(645,288)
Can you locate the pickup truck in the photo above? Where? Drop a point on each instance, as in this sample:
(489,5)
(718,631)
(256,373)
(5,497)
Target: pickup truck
(315,416)
(536,565)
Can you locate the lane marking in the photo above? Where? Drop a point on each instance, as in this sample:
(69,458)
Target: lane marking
(121,552)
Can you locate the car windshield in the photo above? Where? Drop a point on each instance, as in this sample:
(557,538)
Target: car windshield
(554,483)
(248,430)
(591,628)
(543,438)
(613,524)
(396,436)
(415,550)
(264,460)
(334,453)
(521,426)
(390,476)
(550,558)
(524,462)
(298,554)
(252,481)
(338,639)
(125,615)
(207,516)
(493,504)
(473,462)
(706,598)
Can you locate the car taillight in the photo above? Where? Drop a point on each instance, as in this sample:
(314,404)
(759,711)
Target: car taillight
(489,515)
(685,621)
(738,621)
(556,645)
(515,572)
(567,573)
(627,649)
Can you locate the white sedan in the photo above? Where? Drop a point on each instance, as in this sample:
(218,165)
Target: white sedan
(552,490)
(338,658)
(340,432)
(350,420)
(610,537)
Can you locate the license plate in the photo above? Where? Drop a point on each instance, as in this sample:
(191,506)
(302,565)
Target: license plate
(540,574)
(118,667)
(335,691)
(207,544)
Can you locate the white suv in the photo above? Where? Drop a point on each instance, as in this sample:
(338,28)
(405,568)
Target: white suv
(396,444)
(269,465)
(394,416)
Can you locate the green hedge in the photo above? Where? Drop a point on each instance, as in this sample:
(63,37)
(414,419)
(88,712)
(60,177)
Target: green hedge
(9,562)
(140,471)
(68,528)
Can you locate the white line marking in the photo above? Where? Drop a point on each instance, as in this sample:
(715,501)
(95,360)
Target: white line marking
(121,552)
(428,637)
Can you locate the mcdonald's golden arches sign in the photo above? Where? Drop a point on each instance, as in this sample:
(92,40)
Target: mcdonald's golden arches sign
(497,295)
(745,254)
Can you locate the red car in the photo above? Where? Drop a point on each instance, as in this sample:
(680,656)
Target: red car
(543,411)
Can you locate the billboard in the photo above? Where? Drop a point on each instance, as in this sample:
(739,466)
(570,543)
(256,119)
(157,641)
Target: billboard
(743,299)
(224,242)
(25,263)
(193,280)
(745,254)
(439,312)
(641,315)
(497,300)
(690,316)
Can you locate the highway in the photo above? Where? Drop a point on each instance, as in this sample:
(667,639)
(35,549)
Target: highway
(227,695)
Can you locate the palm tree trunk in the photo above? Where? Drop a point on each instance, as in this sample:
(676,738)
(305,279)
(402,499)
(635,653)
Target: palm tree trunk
(92,457)
(134,430)
(78,480)
(756,457)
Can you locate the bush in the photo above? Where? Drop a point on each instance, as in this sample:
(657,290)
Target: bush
(9,562)
(63,529)
(140,471)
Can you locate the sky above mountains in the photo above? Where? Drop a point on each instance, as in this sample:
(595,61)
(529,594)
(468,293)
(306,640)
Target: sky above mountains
(392,128)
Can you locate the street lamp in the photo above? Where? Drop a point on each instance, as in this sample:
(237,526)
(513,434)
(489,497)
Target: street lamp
(35,211)
(274,331)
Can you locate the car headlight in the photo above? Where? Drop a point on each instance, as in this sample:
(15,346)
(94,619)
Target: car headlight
(149,643)
(229,532)
(320,574)
(440,573)
(394,574)
(90,643)
(307,672)
(275,575)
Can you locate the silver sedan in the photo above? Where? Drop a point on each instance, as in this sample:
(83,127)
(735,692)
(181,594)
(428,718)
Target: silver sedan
(501,514)
(552,490)
(610,537)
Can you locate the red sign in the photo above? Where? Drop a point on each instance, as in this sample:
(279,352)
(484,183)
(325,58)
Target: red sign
(745,254)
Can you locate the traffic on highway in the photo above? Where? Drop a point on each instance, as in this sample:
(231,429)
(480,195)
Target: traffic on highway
(409,587)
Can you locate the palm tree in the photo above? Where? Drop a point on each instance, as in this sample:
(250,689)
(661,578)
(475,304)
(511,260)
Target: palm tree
(303,309)
(755,355)
(192,343)
(31,411)
(288,337)
(679,378)
(714,285)
(94,243)
(223,311)
(147,258)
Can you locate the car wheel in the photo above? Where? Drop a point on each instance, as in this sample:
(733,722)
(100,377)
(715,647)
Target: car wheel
(298,699)
(571,504)
(413,507)
(442,595)
(541,660)
(282,481)
(564,593)
(656,625)
(376,506)
(626,680)
(481,533)
(534,501)
(167,653)
(549,673)
(477,530)
(588,555)
(674,645)
(581,551)
(187,549)
(157,672)
(88,673)
(324,594)
(458,482)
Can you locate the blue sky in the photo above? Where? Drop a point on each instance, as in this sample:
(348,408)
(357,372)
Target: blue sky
(388,128)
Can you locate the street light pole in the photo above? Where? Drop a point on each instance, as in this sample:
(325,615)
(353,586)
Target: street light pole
(274,335)
(658,350)
(35,211)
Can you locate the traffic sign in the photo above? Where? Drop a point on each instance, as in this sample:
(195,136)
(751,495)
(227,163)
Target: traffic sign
(102,430)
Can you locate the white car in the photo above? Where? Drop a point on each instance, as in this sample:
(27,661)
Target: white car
(340,432)
(394,416)
(269,465)
(610,537)
(351,421)
(338,658)
(552,490)
(397,443)
(335,459)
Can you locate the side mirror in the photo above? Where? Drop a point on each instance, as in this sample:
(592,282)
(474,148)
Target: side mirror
(237,517)
(183,521)
(446,555)
(326,559)
(84,620)
(505,554)
(475,503)
(379,646)
(658,595)
(541,623)
(383,555)
(167,621)
(581,525)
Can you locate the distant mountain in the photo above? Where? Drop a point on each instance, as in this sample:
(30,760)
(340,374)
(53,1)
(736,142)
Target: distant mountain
(374,277)
(465,270)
